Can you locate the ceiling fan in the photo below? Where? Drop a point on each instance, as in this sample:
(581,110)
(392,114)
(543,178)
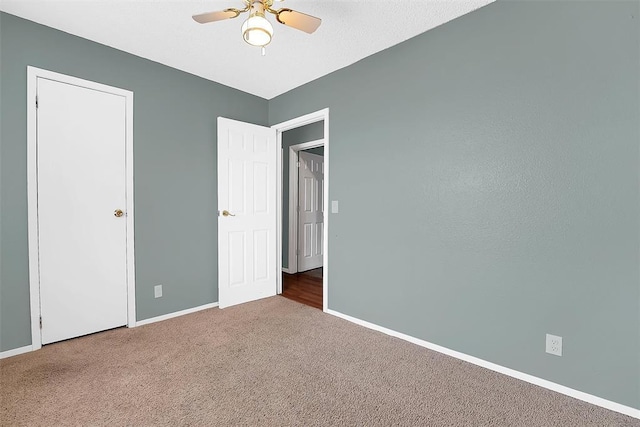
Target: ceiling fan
(257,30)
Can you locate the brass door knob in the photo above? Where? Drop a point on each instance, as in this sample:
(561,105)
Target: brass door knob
(118,213)
(227,213)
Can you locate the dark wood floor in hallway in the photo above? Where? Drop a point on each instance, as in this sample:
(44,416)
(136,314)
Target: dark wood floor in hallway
(305,288)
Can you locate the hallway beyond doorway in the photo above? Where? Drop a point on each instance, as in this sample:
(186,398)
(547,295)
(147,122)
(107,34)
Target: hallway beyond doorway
(305,288)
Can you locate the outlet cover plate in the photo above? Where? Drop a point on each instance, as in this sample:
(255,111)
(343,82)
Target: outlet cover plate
(554,345)
(157,291)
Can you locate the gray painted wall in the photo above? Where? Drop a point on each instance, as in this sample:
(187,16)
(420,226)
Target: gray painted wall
(307,133)
(489,188)
(318,150)
(175,168)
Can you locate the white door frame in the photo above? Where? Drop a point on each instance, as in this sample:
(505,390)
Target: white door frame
(294,158)
(321,115)
(33,74)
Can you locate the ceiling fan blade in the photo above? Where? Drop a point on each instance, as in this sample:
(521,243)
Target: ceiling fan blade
(298,20)
(216,16)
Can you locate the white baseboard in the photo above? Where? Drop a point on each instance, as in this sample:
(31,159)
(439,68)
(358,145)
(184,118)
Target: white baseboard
(589,398)
(28,348)
(286,270)
(176,314)
(16,351)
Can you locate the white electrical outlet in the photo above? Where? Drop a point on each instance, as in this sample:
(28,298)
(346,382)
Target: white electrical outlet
(334,206)
(554,345)
(157,291)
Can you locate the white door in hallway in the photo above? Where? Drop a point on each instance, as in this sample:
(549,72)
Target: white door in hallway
(81,187)
(246,212)
(310,210)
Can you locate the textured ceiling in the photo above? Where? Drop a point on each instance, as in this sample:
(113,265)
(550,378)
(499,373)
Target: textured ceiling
(163,31)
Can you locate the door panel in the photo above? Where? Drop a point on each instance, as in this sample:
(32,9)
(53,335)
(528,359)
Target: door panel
(81,182)
(247,190)
(310,216)
(236,253)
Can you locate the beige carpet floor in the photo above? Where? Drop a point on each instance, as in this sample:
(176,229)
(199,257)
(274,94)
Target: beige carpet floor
(272,362)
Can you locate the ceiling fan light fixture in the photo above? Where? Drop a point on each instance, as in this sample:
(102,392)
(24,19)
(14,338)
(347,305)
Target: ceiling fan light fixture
(257,30)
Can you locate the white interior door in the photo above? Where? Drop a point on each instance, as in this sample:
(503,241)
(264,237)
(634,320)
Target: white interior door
(310,211)
(81,182)
(246,212)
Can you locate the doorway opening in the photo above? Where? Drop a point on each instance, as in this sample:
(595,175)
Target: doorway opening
(304,193)
(302,281)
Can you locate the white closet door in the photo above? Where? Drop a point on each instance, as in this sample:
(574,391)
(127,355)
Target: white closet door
(81,136)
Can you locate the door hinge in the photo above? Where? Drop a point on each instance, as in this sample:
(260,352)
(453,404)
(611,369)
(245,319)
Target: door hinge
(40,322)
(36,101)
